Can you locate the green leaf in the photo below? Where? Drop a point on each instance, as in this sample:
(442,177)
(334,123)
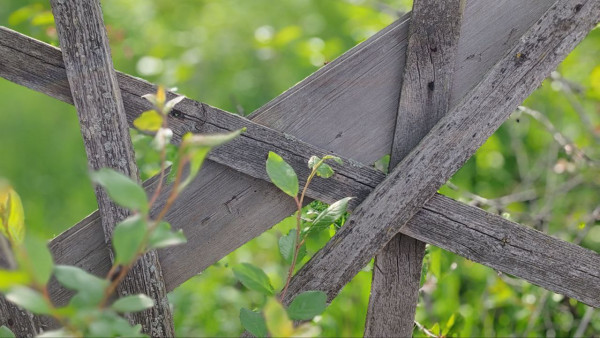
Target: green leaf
(330,215)
(55,333)
(134,303)
(28,299)
(149,120)
(10,278)
(435,263)
(78,279)
(323,169)
(128,237)
(210,140)
(91,288)
(110,324)
(334,158)
(197,157)
(307,305)
(435,329)
(454,324)
(198,147)
(36,259)
(306,330)
(173,170)
(287,245)
(278,322)
(383,164)
(151,98)
(44,18)
(122,189)
(253,278)
(448,325)
(6,332)
(163,237)
(12,217)
(253,322)
(282,174)
(171,104)
(312,161)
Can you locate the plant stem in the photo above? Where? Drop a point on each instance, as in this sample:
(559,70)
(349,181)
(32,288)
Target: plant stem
(163,164)
(297,241)
(154,223)
(174,193)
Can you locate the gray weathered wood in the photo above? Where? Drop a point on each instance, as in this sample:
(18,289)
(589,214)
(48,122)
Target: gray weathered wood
(97,97)
(424,99)
(211,227)
(328,108)
(395,288)
(447,146)
(19,321)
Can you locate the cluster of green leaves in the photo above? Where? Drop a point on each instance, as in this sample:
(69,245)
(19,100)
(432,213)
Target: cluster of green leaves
(88,312)
(275,319)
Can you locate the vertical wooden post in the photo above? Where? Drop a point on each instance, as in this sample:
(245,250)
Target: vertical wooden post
(19,321)
(97,97)
(425,96)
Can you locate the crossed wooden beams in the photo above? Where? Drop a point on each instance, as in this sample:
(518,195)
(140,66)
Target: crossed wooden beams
(232,203)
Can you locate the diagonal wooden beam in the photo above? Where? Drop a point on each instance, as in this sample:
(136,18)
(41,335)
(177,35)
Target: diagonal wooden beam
(448,145)
(214,228)
(97,97)
(424,99)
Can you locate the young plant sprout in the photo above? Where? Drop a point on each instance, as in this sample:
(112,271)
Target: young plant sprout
(92,311)
(275,319)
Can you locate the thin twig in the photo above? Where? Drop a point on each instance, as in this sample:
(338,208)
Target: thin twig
(568,145)
(567,88)
(424,330)
(585,321)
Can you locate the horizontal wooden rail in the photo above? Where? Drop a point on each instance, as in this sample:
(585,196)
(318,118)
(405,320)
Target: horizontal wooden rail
(219,229)
(453,140)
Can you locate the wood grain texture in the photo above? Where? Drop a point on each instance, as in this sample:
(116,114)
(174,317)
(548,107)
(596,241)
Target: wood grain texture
(446,147)
(395,288)
(22,323)
(328,108)
(97,97)
(424,99)
(19,321)
(209,227)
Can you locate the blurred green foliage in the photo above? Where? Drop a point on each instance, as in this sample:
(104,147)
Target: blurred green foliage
(237,55)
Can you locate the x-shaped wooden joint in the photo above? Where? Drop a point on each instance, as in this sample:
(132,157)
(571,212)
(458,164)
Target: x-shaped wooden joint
(233,202)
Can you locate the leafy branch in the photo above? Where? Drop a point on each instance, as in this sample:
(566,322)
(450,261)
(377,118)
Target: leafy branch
(88,312)
(306,305)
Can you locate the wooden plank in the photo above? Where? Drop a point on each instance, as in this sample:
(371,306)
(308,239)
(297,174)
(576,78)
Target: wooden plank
(208,227)
(558,266)
(424,99)
(447,146)
(97,97)
(328,108)
(332,101)
(22,323)
(19,321)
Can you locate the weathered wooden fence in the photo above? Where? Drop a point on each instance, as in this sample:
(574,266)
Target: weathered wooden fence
(429,89)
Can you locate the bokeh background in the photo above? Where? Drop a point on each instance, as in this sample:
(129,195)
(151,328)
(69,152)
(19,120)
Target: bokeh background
(541,168)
